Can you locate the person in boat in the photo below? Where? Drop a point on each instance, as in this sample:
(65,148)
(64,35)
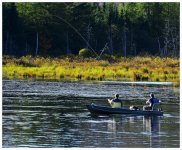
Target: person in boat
(150,102)
(116,102)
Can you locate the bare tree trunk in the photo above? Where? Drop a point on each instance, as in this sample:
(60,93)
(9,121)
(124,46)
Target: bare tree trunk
(160,50)
(173,36)
(132,44)
(96,44)
(10,45)
(135,51)
(131,41)
(110,40)
(124,33)
(166,38)
(67,43)
(7,41)
(89,30)
(124,42)
(26,48)
(37,45)
(88,37)
(177,43)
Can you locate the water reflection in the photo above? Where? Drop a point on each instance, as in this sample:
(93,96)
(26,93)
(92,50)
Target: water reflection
(146,126)
(152,127)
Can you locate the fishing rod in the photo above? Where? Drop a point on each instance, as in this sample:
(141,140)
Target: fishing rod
(77,33)
(140,94)
(144,96)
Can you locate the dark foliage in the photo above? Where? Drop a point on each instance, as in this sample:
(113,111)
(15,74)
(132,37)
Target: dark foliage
(55,29)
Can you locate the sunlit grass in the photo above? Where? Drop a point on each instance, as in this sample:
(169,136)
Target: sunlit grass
(130,69)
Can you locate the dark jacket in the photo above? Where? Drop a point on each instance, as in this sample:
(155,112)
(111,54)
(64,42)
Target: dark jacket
(117,100)
(154,101)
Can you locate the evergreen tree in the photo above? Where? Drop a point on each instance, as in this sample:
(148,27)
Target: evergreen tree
(54,29)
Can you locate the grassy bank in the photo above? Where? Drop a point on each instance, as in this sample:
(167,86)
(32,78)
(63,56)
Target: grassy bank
(128,69)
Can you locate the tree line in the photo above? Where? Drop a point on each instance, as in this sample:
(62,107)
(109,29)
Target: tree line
(125,29)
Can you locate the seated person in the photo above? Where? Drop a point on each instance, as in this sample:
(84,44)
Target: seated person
(116,102)
(150,102)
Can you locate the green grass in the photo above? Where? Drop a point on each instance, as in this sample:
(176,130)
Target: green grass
(127,69)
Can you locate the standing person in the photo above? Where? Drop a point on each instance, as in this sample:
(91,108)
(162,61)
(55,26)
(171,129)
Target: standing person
(116,102)
(150,102)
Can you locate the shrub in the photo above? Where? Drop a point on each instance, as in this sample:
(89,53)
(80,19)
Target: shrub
(106,57)
(145,70)
(85,53)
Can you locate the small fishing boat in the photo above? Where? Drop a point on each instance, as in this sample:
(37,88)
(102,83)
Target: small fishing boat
(95,109)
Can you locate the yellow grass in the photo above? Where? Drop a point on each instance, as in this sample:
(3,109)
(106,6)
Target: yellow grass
(128,69)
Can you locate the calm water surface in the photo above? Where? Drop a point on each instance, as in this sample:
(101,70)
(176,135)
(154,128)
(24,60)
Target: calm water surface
(53,114)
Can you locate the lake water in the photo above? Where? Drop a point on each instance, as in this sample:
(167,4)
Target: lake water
(53,114)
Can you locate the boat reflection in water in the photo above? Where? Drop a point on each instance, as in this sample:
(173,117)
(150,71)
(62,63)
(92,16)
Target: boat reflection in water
(152,127)
(129,129)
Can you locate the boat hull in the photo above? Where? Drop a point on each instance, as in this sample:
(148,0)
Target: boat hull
(95,109)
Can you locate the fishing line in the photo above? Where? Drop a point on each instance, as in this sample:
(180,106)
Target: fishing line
(77,33)
(139,93)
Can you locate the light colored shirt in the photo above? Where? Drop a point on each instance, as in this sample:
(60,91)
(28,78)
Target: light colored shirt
(115,103)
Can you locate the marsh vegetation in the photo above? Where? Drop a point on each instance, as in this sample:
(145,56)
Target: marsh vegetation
(77,68)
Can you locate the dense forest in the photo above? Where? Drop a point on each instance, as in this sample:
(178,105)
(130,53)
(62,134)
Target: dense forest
(124,29)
